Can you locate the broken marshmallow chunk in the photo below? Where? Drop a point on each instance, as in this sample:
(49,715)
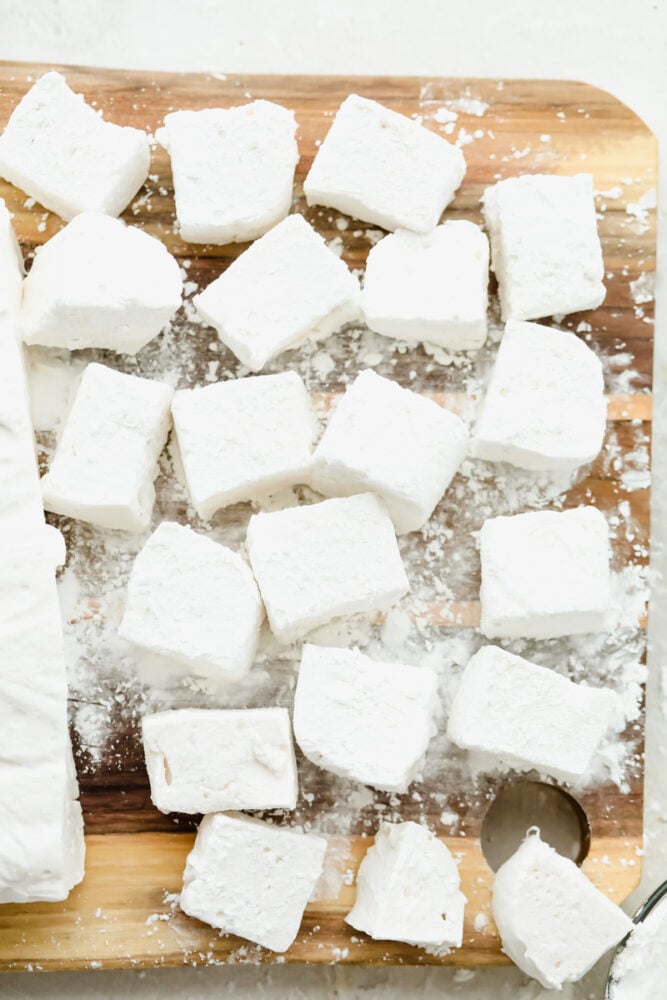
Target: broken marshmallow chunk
(244,438)
(544,574)
(545,248)
(430,288)
(286,289)
(553,922)
(323,561)
(362,719)
(106,460)
(61,152)
(193,602)
(233,170)
(525,716)
(545,405)
(251,878)
(99,283)
(384,168)
(408,889)
(392,442)
(206,760)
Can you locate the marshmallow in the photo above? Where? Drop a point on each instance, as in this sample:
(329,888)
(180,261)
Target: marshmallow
(323,561)
(431,287)
(233,170)
(286,289)
(554,924)
(408,889)
(60,151)
(244,438)
(545,247)
(544,574)
(251,878)
(384,168)
(545,405)
(364,720)
(205,760)
(392,442)
(106,460)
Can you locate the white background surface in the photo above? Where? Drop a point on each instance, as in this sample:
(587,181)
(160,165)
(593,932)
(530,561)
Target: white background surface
(620,45)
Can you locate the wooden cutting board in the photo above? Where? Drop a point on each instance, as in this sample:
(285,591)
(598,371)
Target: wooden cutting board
(123,915)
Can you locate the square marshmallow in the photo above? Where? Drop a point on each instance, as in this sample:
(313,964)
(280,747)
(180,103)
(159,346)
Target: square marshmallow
(60,151)
(545,248)
(193,602)
(362,719)
(286,289)
(206,760)
(233,170)
(323,561)
(545,406)
(244,438)
(430,288)
(544,574)
(384,168)
(392,442)
(106,460)
(251,878)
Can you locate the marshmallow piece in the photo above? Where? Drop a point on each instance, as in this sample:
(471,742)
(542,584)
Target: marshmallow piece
(251,878)
(244,438)
(526,716)
(323,561)
(233,170)
(545,405)
(545,248)
(286,289)
(544,574)
(194,602)
(430,288)
(384,168)
(60,151)
(362,719)
(408,889)
(106,460)
(205,760)
(392,442)
(553,922)
(99,283)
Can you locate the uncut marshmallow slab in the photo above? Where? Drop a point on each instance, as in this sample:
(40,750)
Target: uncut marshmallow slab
(553,922)
(207,760)
(286,289)
(60,151)
(251,878)
(545,406)
(544,574)
(99,283)
(392,442)
(384,168)
(545,248)
(233,170)
(429,287)
(363,719)
(408,889)
(106,460)
(324,561)
(525,716)
(244,438)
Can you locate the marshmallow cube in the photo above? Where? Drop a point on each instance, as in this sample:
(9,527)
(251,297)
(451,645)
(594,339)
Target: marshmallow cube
(545,248)
(392,442)
(60,151)
(384,168)
(106,460)
(286,289)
